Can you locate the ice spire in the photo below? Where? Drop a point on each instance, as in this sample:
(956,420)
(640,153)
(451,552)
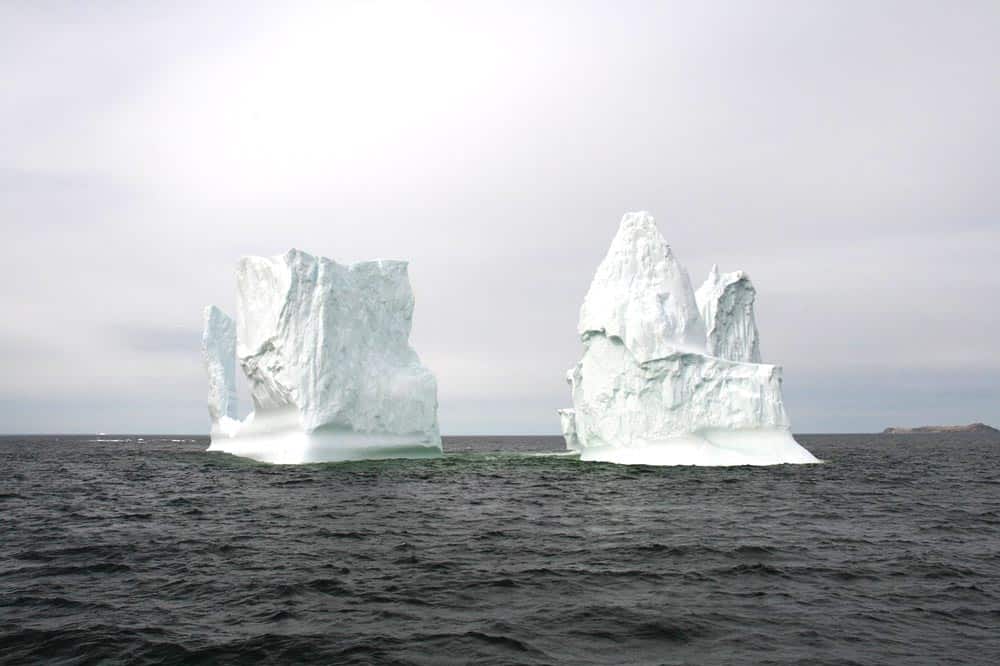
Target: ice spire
(642,295)
(726,303)
(218,347)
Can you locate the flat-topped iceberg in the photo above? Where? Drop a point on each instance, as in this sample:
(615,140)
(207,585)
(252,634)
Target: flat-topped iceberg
(325,350)
(670,376)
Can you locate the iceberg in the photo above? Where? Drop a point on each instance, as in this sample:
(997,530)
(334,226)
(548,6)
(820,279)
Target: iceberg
(325,351)
(670,375)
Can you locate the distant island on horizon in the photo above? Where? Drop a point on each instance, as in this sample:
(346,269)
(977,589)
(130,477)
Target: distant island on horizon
(972,427)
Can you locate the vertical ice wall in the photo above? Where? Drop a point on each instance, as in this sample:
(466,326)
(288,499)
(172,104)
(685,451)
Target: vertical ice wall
(218,346)
(726,303)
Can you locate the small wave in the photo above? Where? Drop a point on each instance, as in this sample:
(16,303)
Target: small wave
(503,641)
(294,482)
(82,570)
(754,551)
(756,569)
(664,631)
(52,602)
(333,586)
(89,552)
(495,582)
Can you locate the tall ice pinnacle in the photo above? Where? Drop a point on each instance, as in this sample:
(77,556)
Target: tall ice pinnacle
(642,295)
(726,305)
(325,350)
(218,346)
(668,378)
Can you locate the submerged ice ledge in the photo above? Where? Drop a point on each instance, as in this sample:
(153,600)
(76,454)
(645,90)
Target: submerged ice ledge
(325,350)
(670,376)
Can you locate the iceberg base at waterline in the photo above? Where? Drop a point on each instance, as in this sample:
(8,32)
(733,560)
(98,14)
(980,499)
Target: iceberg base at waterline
(298,447)
(709,448)
(278,438)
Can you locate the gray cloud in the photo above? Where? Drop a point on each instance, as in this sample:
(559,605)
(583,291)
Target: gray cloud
(843,153)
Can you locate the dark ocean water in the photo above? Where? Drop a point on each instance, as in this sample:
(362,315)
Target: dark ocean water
(148,550)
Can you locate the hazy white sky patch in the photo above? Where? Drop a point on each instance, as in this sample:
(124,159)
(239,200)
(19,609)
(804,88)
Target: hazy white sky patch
(843,153)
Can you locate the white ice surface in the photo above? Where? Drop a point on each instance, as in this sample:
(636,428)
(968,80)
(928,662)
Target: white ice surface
(726,303)
(218,348)
(325,351)
(656,385)
(642,295)
(709,448)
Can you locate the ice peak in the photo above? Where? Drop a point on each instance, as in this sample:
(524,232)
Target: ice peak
(726,303)
(642,295)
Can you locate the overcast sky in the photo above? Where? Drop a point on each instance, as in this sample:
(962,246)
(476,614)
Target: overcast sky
(845,154)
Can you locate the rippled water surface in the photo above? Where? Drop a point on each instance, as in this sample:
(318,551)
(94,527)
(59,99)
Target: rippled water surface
(147,549)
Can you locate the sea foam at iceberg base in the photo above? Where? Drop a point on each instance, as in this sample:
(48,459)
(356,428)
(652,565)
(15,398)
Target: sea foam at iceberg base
(325,350)
(671,376)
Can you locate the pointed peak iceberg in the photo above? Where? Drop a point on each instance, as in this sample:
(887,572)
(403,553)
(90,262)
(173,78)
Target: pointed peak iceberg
(653,387)
(642,295)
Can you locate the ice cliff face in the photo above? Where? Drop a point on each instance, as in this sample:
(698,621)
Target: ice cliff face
(667,378)
(325,351)
(218,346)
(726,306)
